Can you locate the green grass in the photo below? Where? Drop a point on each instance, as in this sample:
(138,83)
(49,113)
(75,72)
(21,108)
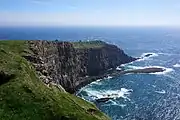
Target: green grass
(88,44)
(25,97)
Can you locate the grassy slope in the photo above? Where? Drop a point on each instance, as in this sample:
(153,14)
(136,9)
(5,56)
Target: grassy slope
(24,97)
(88,44)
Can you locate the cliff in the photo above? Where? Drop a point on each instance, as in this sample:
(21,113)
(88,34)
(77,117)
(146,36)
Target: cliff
(36,77)
(24,97)
(73,65)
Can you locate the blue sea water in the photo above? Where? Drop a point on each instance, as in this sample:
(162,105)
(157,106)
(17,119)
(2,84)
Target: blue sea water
(135,96)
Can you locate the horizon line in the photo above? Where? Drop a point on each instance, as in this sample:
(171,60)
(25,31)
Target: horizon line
(150,26)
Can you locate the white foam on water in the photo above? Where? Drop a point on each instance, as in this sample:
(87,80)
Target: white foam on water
(118,68)
(143,56)
(128,74)
(99,80)
(141,59)
(168,54)
(110,69)
(152,54)
(123,65)
(96,82)
(161,92)
(135,67)
(123,105)
(116,104)
(166,70)
(113,102)
(176,65)
(114,94)
(108,77)
(93,93)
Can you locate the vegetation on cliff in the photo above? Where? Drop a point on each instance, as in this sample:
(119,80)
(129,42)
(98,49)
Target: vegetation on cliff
(24,96)
(88,44)
(73,64)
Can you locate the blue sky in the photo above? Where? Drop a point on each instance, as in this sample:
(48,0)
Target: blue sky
(89,12)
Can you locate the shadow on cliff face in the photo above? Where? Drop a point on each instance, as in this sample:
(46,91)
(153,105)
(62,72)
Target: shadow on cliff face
(4,77)
(74,64)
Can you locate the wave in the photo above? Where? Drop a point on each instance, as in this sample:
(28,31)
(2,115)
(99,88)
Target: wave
(108,77)
(149,54)
(135,67)
(118,68)
(97,82)
(161,92)
(176,65)
(166,70)
(168,54)
(112,102)
(114,94)
(146,56)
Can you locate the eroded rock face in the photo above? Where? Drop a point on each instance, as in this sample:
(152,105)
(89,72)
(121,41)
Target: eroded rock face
(62,64)
(109,56)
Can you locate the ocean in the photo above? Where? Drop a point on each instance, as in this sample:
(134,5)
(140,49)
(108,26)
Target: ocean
(135,96)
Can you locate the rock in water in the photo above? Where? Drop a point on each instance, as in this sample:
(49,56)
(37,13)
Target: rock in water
(102,100)
(147,55)
(145,70)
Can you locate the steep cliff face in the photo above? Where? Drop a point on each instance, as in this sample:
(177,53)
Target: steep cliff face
(23,96)
(66,64)
(56,62)
(107,57)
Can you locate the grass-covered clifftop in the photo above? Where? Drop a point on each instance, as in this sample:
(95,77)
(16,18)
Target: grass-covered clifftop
(88,44)
(24,97)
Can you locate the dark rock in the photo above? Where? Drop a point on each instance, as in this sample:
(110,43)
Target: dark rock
(91,110)
(110,56)
(145,70)
(102,100)
(32,58)
(69,66)
(147,55)
(45,72)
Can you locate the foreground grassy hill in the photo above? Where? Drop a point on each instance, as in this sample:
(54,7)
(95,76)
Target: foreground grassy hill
(24,97)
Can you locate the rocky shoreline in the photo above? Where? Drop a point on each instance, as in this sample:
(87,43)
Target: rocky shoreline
(74,65)
(133,71)
(63,67)
(71,66)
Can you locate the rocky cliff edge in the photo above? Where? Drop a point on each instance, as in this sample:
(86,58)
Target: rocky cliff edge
(74,64)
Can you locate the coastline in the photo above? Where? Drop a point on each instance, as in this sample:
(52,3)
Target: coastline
(73,65)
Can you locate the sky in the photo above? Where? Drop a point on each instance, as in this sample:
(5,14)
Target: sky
(89,12)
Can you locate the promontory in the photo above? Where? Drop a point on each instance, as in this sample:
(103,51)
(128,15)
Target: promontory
(38,78)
